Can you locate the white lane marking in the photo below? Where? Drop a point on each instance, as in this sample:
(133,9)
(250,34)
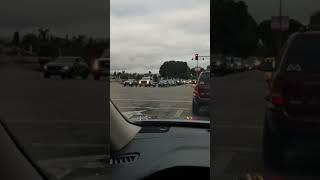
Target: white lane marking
(152,100)
(147,107)
(67,145)
(130,114)
(178,113)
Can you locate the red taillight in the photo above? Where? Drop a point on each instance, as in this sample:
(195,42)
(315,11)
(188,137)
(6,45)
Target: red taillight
(196,91)
(277,99)
(276,91)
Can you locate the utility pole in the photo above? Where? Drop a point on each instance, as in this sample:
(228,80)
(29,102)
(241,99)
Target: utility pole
(280,33)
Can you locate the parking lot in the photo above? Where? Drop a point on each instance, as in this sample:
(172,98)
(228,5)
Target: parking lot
(54,119)
(156,102)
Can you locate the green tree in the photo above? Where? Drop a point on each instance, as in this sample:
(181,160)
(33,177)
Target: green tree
(30,39)
(268,36)
(155,78)
(175,69)
(138,77)
(234,31)
(124,76)
(43,33)
(16,39)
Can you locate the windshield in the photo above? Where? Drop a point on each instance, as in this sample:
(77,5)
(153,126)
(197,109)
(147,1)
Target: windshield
(161,64)
(304,52)
(205,78)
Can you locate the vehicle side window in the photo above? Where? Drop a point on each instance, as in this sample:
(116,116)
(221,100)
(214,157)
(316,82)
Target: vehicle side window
(205,77)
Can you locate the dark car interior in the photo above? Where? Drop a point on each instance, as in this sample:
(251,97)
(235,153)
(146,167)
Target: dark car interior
(163,150)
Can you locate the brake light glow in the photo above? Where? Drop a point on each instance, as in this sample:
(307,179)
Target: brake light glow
(278,100)
(276,92)
(196,91)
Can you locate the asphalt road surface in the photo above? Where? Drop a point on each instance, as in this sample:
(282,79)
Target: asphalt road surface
(156,102)
(237,120)
(54,119)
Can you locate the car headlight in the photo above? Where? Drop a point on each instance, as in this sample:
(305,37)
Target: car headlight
(65,67)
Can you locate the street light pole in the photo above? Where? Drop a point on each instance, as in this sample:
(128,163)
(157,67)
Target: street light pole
(280,34)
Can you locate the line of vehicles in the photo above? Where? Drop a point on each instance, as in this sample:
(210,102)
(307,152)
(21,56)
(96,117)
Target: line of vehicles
(225,65)
(149,82)
(72,67)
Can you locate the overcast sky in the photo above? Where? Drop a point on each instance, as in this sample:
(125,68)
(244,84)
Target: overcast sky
(297,9)
(146,33)
(61,16)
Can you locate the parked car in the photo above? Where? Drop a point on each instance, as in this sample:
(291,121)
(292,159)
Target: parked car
(218,67)
(67,67)
(100,68)
(163,83)
(238,65)
(44,60)
(184,81)
(248,65)
(292,111)
(177,82)
(229,65)
(130,82)
(193,81)
(201,95)
(171,82)
(147,82)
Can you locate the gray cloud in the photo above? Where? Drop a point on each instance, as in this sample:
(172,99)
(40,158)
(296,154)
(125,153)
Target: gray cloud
(71,16)
(146,33)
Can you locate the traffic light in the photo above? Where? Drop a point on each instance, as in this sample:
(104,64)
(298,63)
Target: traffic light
(196,56)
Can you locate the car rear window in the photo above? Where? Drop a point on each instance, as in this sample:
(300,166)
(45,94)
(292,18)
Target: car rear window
(204,77)
(303,54)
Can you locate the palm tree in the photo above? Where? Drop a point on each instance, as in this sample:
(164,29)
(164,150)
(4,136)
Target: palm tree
(43,33)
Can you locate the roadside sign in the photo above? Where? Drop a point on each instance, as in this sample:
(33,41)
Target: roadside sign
(280,23)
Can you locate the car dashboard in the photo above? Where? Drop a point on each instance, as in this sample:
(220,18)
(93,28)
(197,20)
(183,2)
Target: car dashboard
(163,152)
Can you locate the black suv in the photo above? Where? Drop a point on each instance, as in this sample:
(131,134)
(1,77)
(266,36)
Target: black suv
(293,103)
(201,96)
(67,67)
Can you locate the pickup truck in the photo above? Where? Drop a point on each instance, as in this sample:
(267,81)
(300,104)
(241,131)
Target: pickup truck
(147,82)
